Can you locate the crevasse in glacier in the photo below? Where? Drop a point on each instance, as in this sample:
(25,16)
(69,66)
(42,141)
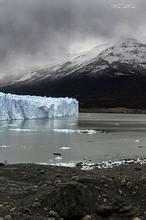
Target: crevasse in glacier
(14,107)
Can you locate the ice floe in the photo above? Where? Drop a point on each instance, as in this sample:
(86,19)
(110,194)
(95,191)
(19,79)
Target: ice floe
(67,131)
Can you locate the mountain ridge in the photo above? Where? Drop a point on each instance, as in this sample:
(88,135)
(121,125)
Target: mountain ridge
(114,77)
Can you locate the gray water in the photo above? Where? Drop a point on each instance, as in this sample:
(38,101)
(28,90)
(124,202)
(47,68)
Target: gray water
(117,136)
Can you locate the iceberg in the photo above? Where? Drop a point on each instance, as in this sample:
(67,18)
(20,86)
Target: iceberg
(14,107)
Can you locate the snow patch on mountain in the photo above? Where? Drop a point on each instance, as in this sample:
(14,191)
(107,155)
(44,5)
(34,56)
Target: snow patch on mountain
(127,51)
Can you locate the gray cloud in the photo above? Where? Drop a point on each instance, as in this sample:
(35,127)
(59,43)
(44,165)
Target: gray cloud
(38,32)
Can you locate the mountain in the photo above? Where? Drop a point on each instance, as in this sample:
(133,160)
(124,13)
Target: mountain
(101,78)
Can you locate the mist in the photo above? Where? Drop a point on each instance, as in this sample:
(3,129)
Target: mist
(36,33)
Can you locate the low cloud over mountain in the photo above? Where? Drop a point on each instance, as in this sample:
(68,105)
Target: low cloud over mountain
(37,33)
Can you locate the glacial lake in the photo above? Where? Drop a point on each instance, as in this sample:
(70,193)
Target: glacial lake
(88,137)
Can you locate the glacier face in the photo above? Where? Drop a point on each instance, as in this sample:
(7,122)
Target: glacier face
(13,107)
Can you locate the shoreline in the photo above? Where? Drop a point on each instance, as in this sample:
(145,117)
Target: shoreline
(33,191)
(116,110)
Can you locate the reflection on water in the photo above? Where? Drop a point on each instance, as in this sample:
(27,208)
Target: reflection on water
(90,137)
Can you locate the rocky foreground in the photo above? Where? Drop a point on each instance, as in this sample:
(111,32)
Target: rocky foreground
(29,191)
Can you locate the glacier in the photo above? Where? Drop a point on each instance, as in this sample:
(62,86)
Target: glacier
(20,107)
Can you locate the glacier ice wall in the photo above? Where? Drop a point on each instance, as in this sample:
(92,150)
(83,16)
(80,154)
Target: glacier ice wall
(13,107)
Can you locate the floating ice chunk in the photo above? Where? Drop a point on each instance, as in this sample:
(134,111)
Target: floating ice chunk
(58,158)
(65,148)
(12,125)
(75,131)
(19,129)
(117,124)
(91,131)
(63,164)
(64,130)
(137,141)
(44,164)
(3,146)
(34,107)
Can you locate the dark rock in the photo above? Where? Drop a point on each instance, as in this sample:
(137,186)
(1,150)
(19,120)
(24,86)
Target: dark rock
(41,172)
(125,209)
(53,214)
(87,217)
(104,131)
(79,165)
(58,176)
(36,204)
(104,210)
(98,188)
(106,186)
(140,147)
(2,164)
(86,180)
(130,185)
(104,200)
(8,217)
(26,211)
(75,178)
(138,168)
(6,203)
(72,200)
(57,182)
(123,181)
(13,209)
(120,191)
(57,154)
(117,205)
(143,178)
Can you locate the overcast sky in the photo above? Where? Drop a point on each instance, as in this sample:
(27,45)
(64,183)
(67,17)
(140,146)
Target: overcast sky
(39,32)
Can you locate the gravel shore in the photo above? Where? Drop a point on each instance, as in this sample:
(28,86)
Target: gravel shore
(38,192)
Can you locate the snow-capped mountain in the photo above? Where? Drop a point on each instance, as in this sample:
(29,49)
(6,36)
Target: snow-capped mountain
(107,76)
(65,68)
